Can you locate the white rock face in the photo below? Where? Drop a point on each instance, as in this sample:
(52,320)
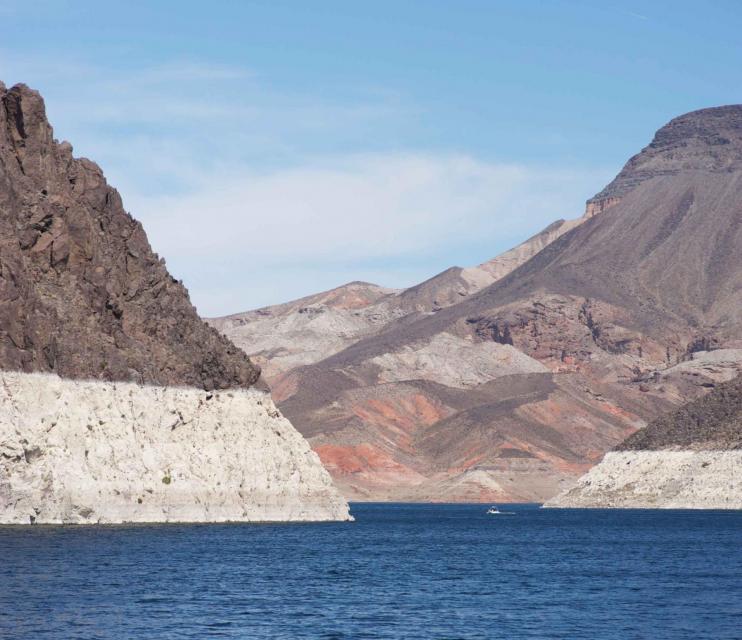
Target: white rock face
(659,480)
(98,452)
(455,362)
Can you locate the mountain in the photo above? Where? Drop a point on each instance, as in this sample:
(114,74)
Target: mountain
(302,332)
(118,402)
(83,295)
(510,389)
(690,458)
(711,422)
(307,330)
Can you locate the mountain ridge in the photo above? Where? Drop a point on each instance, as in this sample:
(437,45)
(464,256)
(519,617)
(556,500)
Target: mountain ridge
(613,309)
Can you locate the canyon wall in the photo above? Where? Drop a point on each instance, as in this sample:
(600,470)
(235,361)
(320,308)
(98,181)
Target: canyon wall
(509,380)
(118,403)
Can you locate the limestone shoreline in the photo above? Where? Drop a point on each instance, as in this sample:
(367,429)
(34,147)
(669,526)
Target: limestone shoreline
(660,479)
(92,452)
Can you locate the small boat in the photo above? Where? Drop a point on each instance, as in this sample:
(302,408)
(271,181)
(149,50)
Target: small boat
(493,511)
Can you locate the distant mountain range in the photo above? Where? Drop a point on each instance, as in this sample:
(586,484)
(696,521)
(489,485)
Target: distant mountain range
(507,380)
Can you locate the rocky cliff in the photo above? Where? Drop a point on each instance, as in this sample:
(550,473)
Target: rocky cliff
(81,292)
(705,140)
(628,312)
(83,297)
(690,458)
(74,451)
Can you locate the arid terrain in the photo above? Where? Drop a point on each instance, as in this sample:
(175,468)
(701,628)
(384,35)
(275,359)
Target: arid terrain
(508,380)
(689,458)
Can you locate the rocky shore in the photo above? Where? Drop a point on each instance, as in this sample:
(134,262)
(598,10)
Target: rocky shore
(117,402)
(87,452)
(690,458)
(659,480)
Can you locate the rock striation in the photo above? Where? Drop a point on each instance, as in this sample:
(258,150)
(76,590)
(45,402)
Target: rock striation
(629,311)
(118,403)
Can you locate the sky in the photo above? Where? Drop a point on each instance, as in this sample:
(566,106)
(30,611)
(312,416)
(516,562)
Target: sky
(276,149)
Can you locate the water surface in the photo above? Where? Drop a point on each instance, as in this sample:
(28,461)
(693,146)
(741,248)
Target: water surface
(399,571)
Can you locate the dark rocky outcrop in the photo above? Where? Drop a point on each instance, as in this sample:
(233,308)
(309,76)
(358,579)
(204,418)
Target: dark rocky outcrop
(713,421)
(81,292)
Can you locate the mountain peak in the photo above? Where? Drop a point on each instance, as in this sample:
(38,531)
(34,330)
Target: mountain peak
(704,140)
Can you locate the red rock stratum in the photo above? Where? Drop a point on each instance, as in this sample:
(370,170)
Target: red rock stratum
(506,381)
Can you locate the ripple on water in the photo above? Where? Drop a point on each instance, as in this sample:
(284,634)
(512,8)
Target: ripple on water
(400,571)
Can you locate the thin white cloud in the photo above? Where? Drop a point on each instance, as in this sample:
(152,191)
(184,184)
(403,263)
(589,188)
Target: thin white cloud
(337,215)
(158,125)
(355,207)
(640,16)
(184,94)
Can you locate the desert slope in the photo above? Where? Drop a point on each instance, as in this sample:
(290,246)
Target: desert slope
(84,299)
(301,332)
(629,313)
(310,329)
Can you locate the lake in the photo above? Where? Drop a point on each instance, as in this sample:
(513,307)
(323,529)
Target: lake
(399,571)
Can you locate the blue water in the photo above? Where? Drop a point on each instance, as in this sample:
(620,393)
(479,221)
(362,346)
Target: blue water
(399,571)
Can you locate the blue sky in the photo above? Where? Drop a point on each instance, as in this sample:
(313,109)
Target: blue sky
(274,149)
